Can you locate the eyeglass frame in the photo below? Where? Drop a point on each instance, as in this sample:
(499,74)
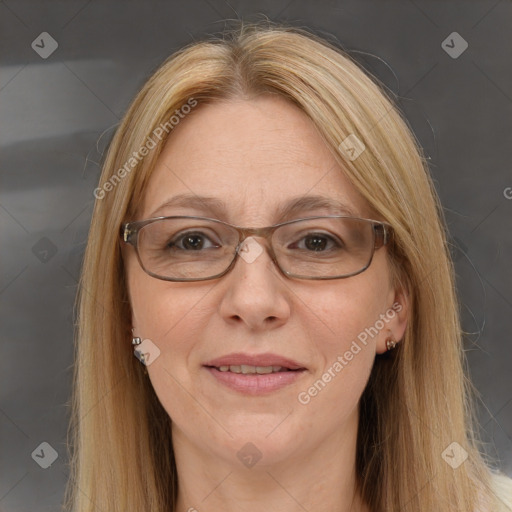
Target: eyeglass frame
(129,231)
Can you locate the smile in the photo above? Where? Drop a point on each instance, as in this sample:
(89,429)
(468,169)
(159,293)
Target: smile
(247,369)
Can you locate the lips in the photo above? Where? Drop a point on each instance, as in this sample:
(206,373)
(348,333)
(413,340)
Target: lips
(247,363)
(257,374)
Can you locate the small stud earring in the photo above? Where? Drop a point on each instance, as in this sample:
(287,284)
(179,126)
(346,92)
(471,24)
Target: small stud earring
(390,343)
(135,342)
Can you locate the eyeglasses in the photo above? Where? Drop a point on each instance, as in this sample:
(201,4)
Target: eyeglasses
(184,248)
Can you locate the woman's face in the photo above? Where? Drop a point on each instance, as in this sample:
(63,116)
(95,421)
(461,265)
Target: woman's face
(254,157)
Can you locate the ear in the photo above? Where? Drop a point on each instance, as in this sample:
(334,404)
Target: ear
(396,316)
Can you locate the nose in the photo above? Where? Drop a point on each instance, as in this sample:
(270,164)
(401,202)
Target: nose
(256,293)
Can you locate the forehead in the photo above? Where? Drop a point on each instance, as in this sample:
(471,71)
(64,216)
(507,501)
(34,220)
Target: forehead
(251,155)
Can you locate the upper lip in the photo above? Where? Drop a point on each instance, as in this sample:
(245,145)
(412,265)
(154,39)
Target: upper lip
(239,358)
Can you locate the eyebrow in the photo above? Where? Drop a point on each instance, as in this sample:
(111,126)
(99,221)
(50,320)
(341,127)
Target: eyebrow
(294,206)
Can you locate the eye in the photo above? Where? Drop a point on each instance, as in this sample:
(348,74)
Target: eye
(317,242)
(192,241)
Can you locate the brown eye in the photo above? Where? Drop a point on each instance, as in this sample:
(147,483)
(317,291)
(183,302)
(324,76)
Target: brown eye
(317,242)
(192,242)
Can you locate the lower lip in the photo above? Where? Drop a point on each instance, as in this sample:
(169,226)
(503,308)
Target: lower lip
(256,384)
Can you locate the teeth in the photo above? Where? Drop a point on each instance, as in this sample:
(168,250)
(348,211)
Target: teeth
(245,369)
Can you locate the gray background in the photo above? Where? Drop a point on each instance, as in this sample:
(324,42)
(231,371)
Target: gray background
(58,115)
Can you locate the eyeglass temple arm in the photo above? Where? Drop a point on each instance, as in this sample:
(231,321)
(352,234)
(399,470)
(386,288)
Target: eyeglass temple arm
(126,233)
(382,235)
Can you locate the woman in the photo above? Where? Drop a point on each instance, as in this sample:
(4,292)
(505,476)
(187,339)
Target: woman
(267,242)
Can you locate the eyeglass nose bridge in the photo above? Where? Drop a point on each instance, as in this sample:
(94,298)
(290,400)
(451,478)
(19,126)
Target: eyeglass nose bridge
(263,232)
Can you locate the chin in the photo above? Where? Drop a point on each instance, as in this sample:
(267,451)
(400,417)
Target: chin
(265,444)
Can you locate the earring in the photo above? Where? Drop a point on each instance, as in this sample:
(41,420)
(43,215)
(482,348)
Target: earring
(135,342)
(391,343)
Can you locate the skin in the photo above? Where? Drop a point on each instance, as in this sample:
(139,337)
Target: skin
(254,155)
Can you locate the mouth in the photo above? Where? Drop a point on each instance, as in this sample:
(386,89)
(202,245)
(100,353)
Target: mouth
(254,370)
(255,374)
(254,363)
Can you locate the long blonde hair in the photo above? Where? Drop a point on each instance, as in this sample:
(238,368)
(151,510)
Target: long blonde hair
(417,402)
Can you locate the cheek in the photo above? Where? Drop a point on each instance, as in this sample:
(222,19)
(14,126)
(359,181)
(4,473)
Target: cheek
(342,323)
(343,310)
(171,315)
(175,321)
(336,326)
